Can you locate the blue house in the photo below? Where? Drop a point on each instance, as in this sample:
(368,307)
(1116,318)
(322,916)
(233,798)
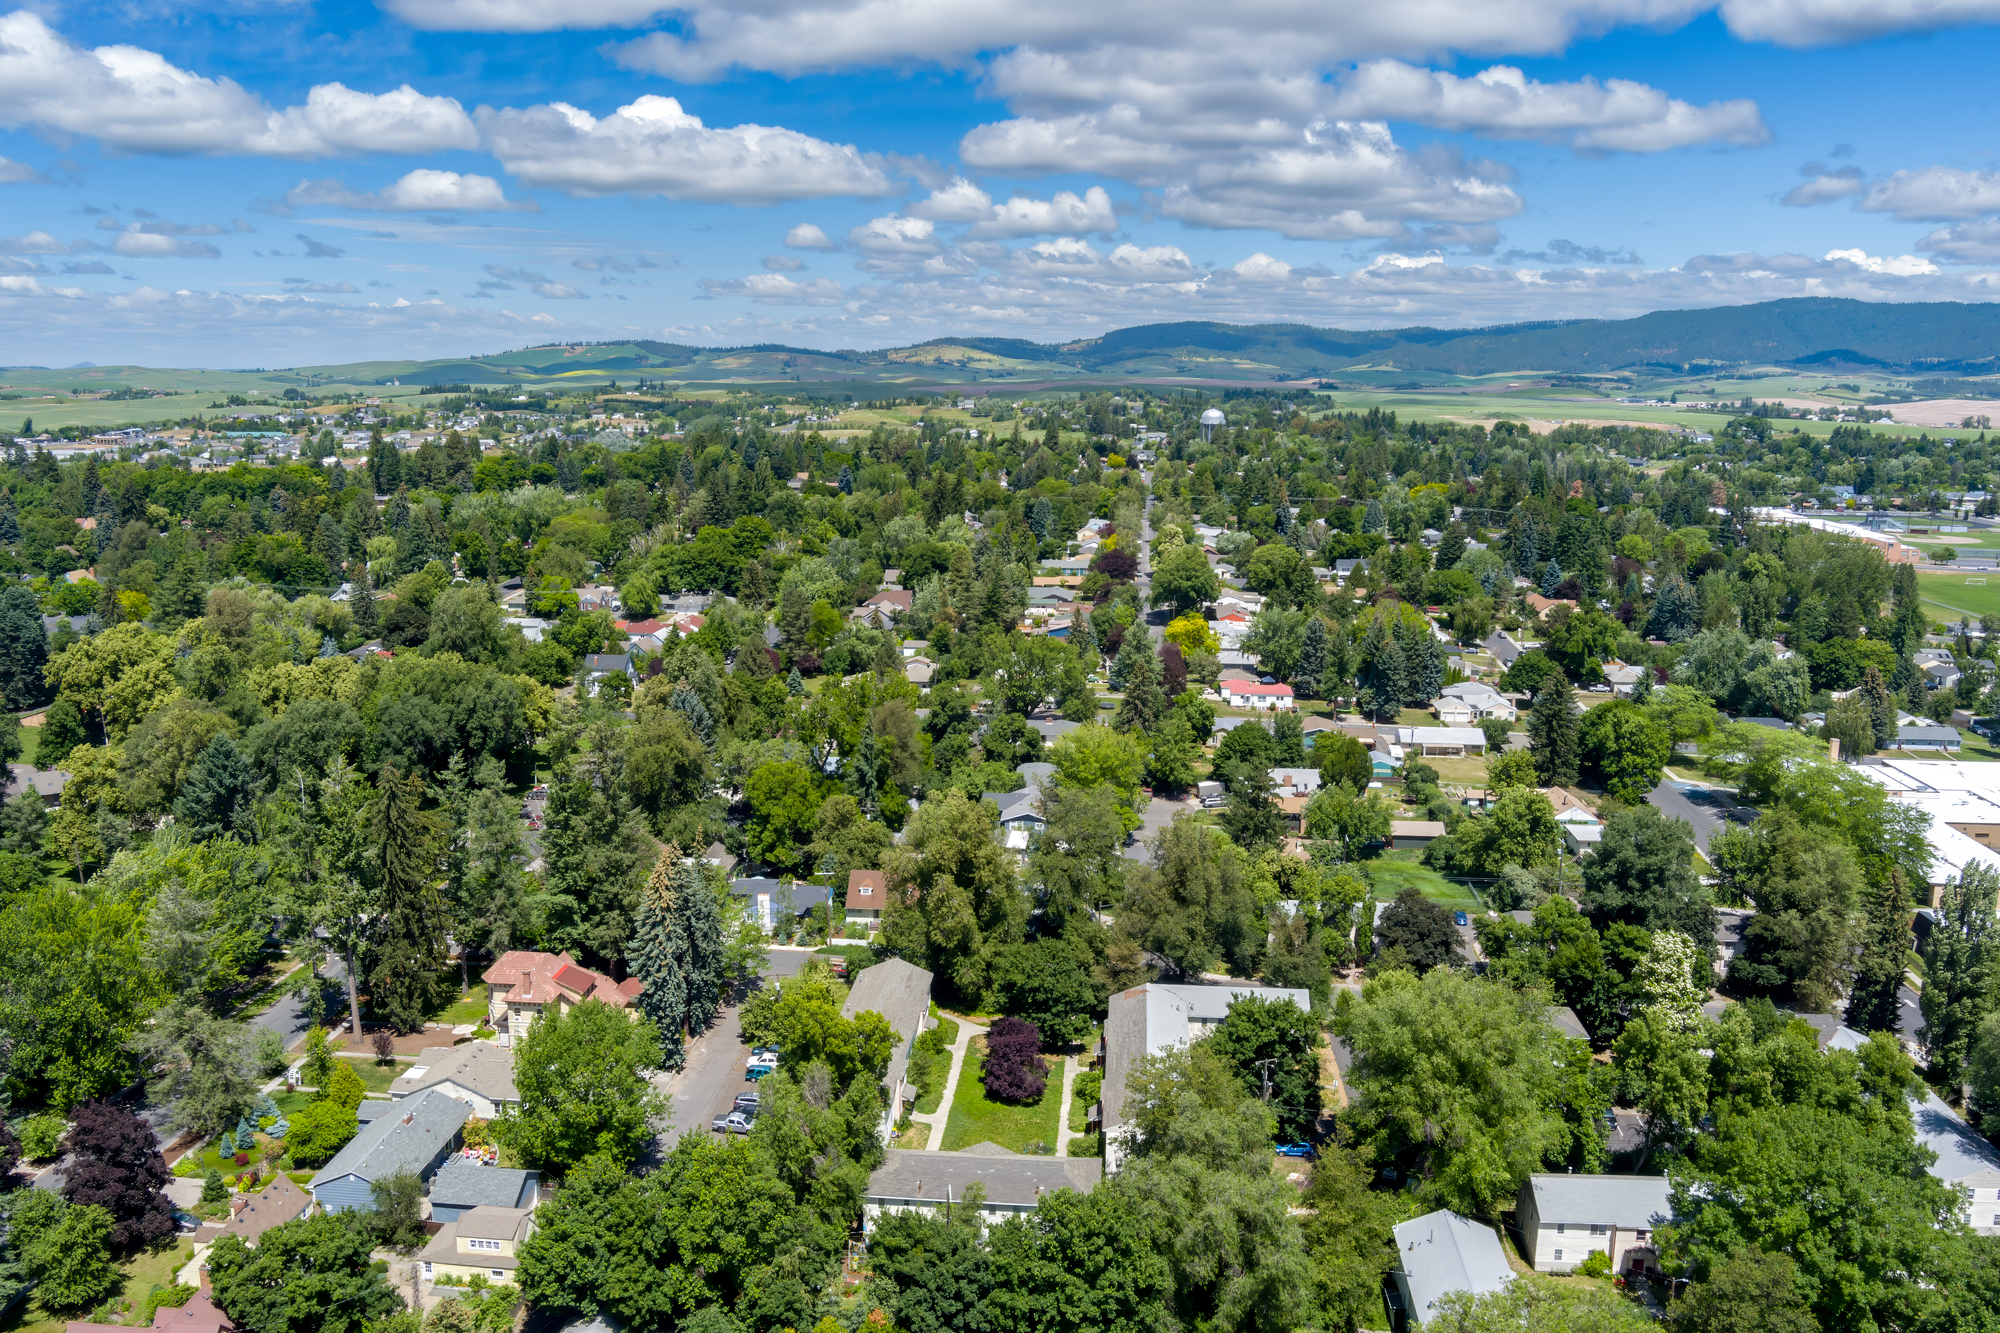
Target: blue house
(417,1135)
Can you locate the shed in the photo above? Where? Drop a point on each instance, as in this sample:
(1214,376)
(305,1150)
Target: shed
(1414,832)
(1442,1252)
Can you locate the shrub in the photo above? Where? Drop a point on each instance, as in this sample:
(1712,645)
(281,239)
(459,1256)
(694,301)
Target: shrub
(344,1086)
(1014,1069)
(1596,1264)
(241,1159)
(319,1131)
(41,1136)
(385,1047)
(212,1188)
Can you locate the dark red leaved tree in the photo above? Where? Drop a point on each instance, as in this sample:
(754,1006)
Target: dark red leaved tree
(1014,1069)
(119,1168)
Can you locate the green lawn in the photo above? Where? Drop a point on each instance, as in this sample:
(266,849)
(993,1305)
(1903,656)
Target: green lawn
(471,1007)
(1397,870)
(976,1118)
(374,1077)
(1089,1087)
(140,1274)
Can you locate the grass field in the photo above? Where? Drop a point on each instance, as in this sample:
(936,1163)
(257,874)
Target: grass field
(1397,870)
(1951,593)
(374,1077)
(976,1118)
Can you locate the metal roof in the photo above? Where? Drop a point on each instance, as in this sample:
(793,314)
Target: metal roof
(1635,1202)
(1441,1252)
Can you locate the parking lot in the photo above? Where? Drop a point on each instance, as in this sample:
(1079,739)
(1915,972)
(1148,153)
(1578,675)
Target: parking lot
(713,1076)
(1706,811)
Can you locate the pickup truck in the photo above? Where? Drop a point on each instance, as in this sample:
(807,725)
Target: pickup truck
(734,1122)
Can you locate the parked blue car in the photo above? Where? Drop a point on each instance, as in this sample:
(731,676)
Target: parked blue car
(1305,1150)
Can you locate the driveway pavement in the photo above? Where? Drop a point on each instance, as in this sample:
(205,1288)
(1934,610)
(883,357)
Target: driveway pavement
(1705,809)
(1157,815)
(713,1076)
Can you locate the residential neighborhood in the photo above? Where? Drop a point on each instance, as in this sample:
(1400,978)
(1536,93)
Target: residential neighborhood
(992,875)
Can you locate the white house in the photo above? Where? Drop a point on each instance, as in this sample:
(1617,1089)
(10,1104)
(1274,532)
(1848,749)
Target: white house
(1482,699)
(1453,712)
(1253,694)
(1965,1161)
(1563,1218)
(1156,1017)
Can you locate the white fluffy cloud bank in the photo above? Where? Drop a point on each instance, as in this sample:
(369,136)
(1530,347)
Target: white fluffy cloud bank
(422,191)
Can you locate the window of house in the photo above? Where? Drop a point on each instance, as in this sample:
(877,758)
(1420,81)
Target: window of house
(428,1270)
(497,1273)
(1559,1256)
(1559,1228)
(1596,1230)
(490,1245)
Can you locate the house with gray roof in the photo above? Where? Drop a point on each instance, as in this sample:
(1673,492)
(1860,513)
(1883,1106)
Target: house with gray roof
(1564,1218)
(926,1181)
(47,783)
(1157,1017)
(1020,816)
(462,1184)
(417,1140)
(1440,1253)
(1930,736)
(900,991)
(478,1073)
(1965,1161)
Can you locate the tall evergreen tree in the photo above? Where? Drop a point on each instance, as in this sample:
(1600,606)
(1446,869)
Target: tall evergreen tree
(1552,732)
(1145,703)
(1878,972)
(1391,681)
(1552,577)
(1307,680)
(1961,968)
(1907,619)
(1676,611)
(409,930)
(218,796)
(367,618)
(24,649)
(1881,712)
(677,951)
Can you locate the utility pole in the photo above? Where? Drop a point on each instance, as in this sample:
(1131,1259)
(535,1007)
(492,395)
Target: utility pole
(1264,1072)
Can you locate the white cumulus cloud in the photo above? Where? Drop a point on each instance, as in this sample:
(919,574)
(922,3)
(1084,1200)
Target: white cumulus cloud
(1067,214)
(1935,194)
(422,191)
(777,289)
(653,146)
(808,236)
(1617,115)
(1901,266)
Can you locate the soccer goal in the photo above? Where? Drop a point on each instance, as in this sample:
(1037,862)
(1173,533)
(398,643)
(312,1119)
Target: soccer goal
(1975,583)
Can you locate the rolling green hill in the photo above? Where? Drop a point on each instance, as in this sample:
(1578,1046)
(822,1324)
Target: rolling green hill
(1819,336)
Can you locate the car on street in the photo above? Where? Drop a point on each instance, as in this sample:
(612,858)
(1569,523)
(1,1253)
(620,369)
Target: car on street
(755,1072)
(747,1101)
(1305,1150)
(734,1122)
(1459,918)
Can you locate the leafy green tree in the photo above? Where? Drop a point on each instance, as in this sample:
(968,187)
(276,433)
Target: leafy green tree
(1540,1303)
(1421,931)
(1624,748)
(1347,1233)
(1183,581)
(677,951)
(582,1079)
(1048,983)
(411,921)
(1455,1081)
(396,1216)
(314,1275)
(1170,766)
(1642,874)
(1807,890)
(71,1026)
(1520,830)
(65,1250)
(1845,1195)
(1676,611)
(650,1251)
(319,1130)
(1079,1263)
(951,889)
(1194,906)
(1075,866)
(1747,1292)
(1664,1075)
(1355,824)
(1341,758)
(1961,968)
(1553,733)
(784,805)
(1274,1047)
(1094,755)
(1251,819)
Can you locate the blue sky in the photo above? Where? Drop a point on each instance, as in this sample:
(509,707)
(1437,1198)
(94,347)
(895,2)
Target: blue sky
(259,183)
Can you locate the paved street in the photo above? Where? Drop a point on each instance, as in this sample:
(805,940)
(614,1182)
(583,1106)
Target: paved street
(1705,810)
(714,1072)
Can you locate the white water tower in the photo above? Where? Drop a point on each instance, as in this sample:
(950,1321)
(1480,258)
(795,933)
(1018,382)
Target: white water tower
(1210,420)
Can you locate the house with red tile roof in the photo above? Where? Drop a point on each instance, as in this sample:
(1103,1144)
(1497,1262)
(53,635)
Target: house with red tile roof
(522,984)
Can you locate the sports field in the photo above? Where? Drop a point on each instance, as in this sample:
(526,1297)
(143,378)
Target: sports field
(1952,595)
